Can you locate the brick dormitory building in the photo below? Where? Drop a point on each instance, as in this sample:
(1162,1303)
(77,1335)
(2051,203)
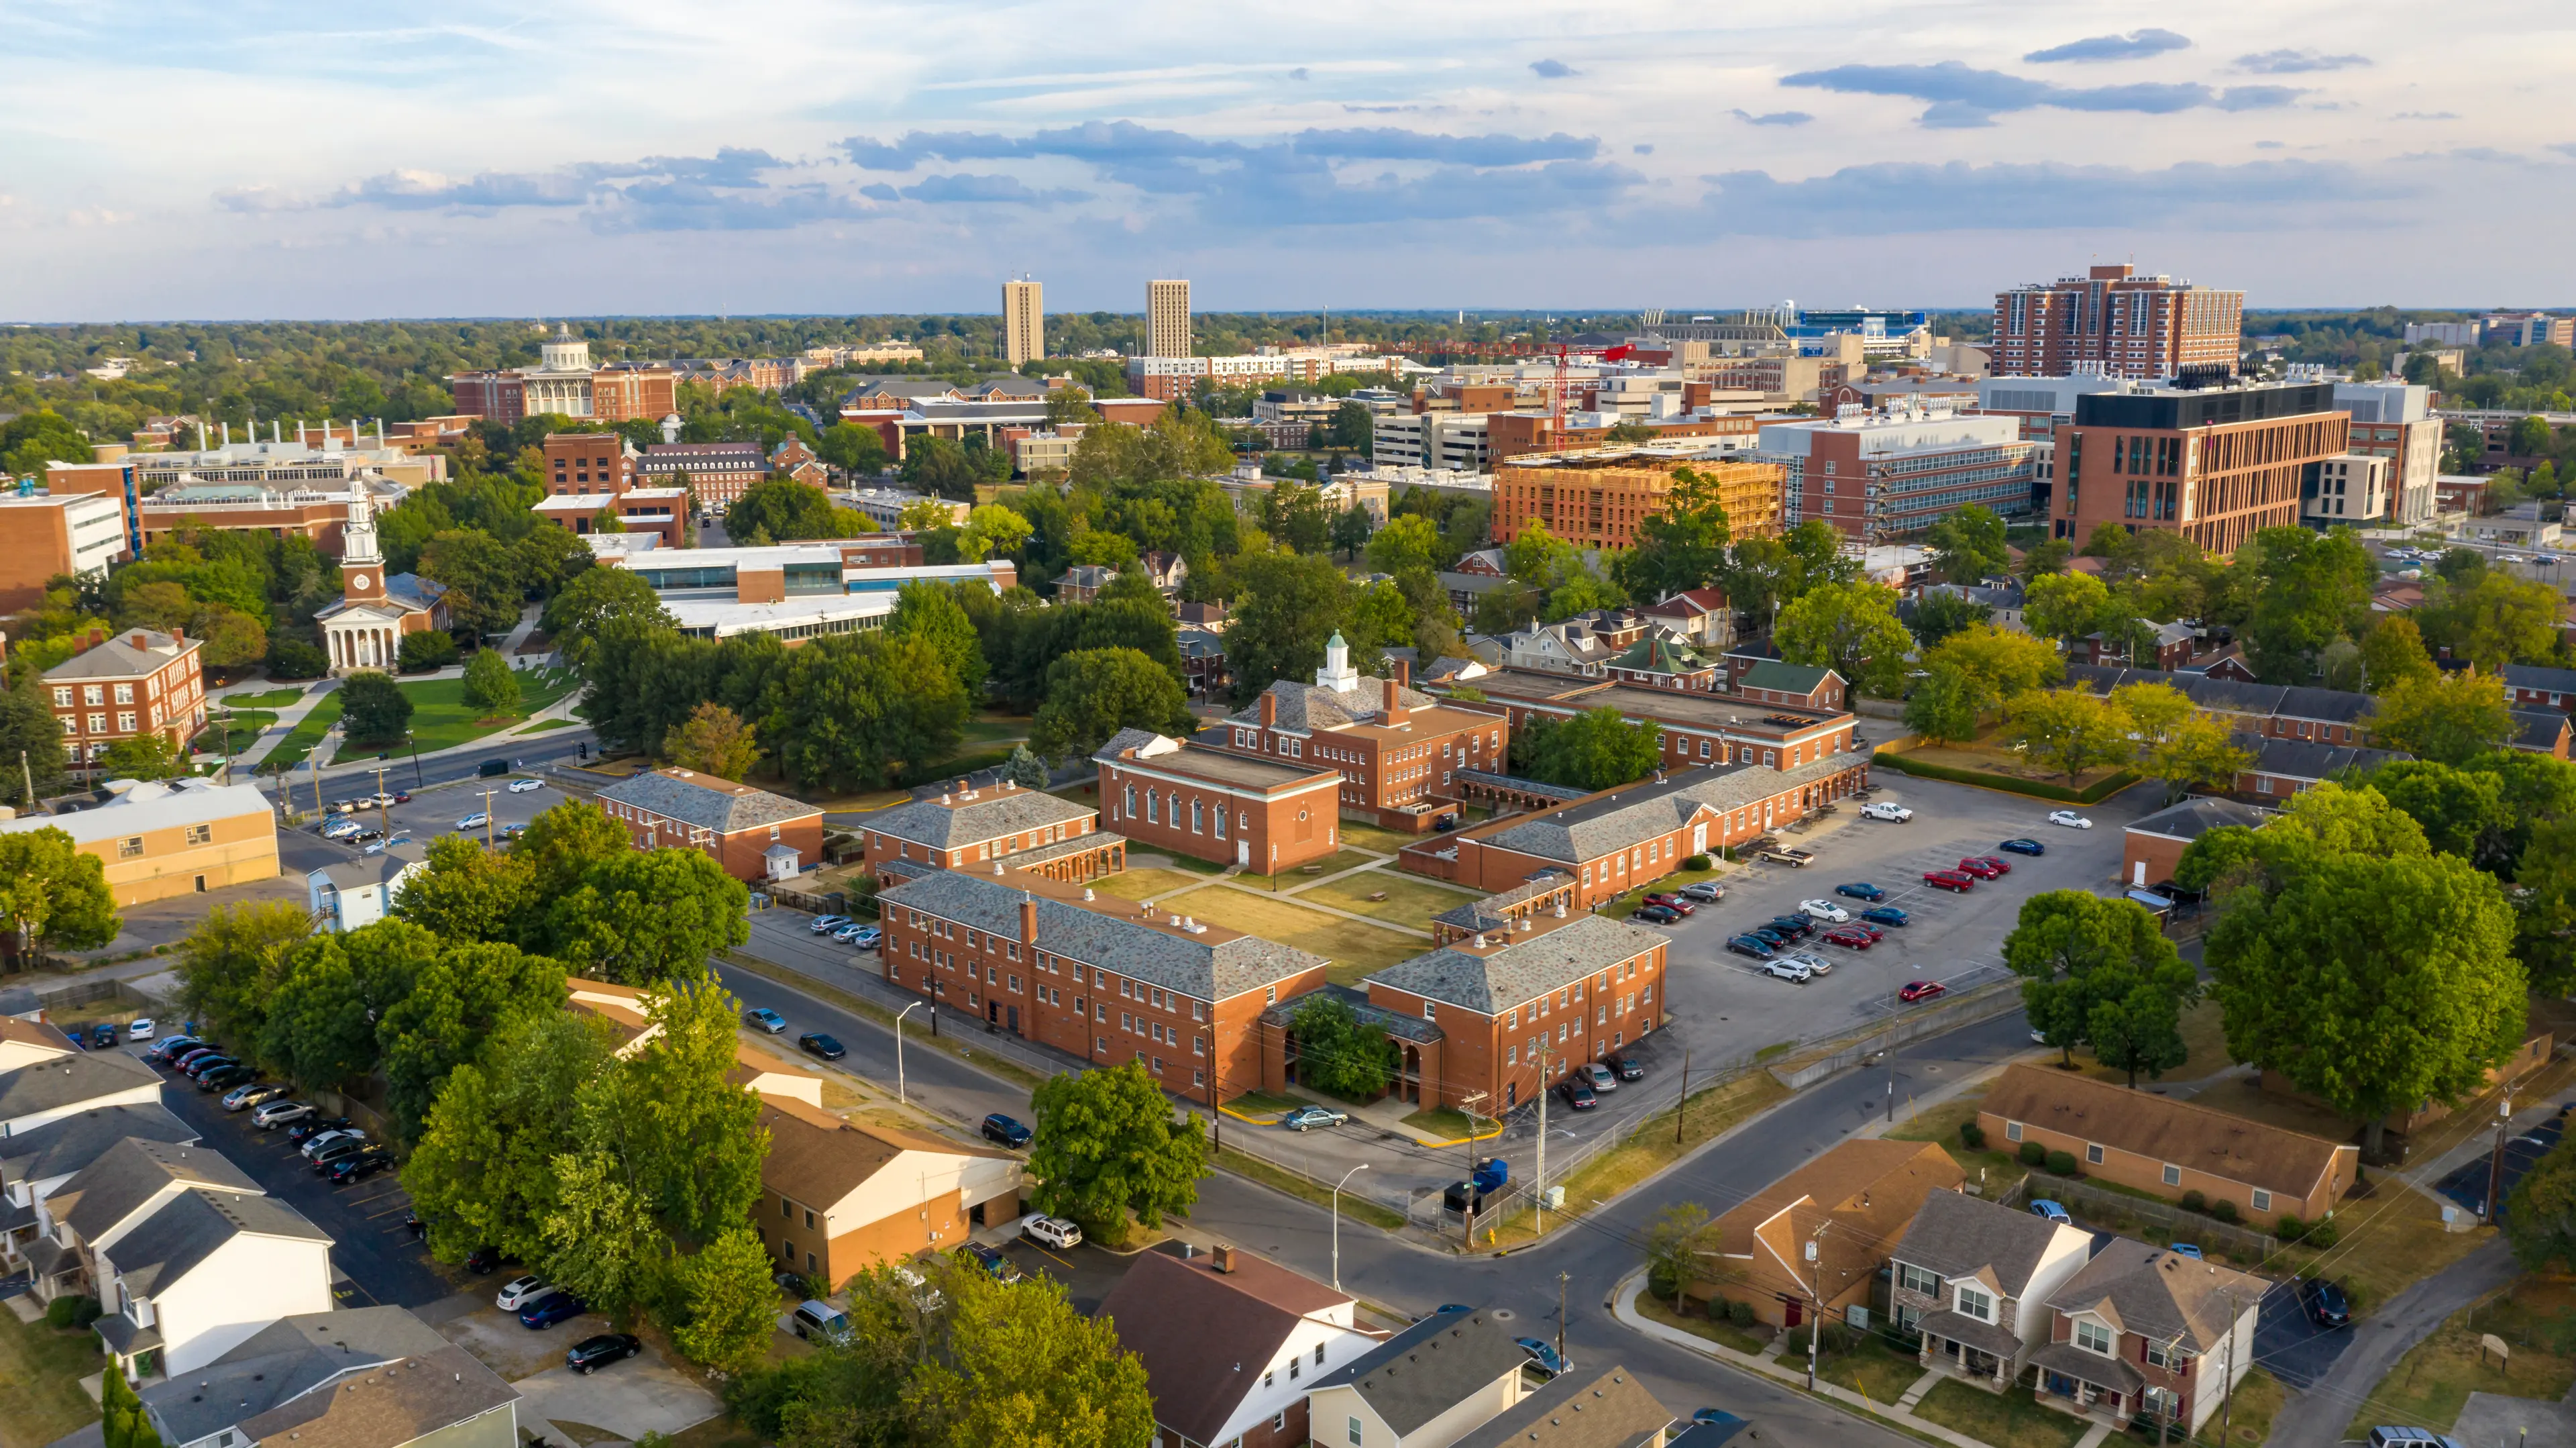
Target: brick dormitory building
(979,830)
(753,834)
(1267,815)
(1399,752)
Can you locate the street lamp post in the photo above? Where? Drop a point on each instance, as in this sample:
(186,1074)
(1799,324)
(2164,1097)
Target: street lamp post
(898,1053)
(1337,1221)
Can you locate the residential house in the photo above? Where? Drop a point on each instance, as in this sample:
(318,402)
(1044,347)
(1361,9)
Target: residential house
(2001,598)
(133,683)
(1106,979)
(1399,751)
(1029,829)
(1426,1387)
(57,1079)
(756,836)
(2132,1330)
(1702,616)
(1571,647)
(35,1162)
(2529,686)
(794,461)
(1580,1409)
(1660,661)
(1167,571)
(1802,686)
(354,894)
(839,1197)
(156,839)
(1230,1344)
(1082,583)
(1974,1278)
(1852,1202)
(1212,804)
(358,1377)
(2284,767)
(2165,1146)
(2171,649)
(2150,848)
(1443,672)
(1208,616)
(2542,731)
(1203,666)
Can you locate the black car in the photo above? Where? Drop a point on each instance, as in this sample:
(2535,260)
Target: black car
(1578,1094)
(1628,1068)
(1772,936)
(1749,945)
(2023,847)
(483,1261)
(598,1352)
(313,1126)
(991,1260)
(334,1153)
(1008,1132)
(225,1078)
(1656,914)
(210,1061)
(1796,927)
(104,1036)
(2326,1304)
(816,1043)
(360,1165)
(171,1051)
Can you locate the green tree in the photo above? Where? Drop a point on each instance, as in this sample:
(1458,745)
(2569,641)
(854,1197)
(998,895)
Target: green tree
(1107,1150)
(2068,730)
(122,1420)
(1340,1054)
(144,756)
(714,740)
(2196,753)
(2009,664)
(373,709)
(44,436)
(1850,628)
(1408,541)
(2099,972)
(53,893)
(1093,693)
(601,1242)
(1285,606)
(2496,620)
(1968,546)
(321,1027)
(1596,749)
(2064,606)
(648,917)
(491,685)
(2217,860)
(483,1171)
(1940,616)
(428,649)
(788,511)
(2545,938)
(683,1136)
(993,531)
(1354,427)
(1017,1364)
(562,844)
(2309,588)
(852,448)
(457,1001)
(468,892)
(1947,703)
(1351,528)
(2393,651)
(1674,1248)
(1682,545)
(2045,559)
(2539,1214)
(484,585)
(2462,812)
(931,613)
(231,964)
(722,1305)
(31,746)
(851,710)
(1026,769)
(595,596)
(2451,718)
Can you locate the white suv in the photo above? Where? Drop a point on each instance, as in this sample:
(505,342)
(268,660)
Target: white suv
(1053,1231)
(1886,809)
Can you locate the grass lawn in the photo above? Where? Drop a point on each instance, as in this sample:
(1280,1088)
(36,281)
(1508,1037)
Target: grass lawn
(232,735)
(1724,1334)
(1409,902)
(1355,949)
(2256,1402)
(307,732)
(271,699)
(1360,834)
(1262,1103)
(1874,1368)
(721,1431)
(2388,1241)
(1447,1123)
(1620,907)
(990,729)
(1652,1148)
(542,725)
(1354,1206)
(2535,1316)
(441,719)
(1941,1123)
(1990,755)
(1146,884)
(40,1373)
(2204,1033)
(2007,1420)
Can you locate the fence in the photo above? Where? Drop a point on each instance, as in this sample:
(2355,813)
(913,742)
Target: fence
(2084,1199)
(70,995)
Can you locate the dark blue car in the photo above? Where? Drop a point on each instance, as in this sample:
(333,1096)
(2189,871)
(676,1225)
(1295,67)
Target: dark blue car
(1008,1132)
(2023,847)
(1747,945)
(550,1309)
(1887,915)
(1861,890)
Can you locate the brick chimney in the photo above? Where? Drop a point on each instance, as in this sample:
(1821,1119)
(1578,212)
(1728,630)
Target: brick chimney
(140,638)
(1222,1258)
(178,635)
(1390,702)
(1269,710)
(1028,922)
(1404,673)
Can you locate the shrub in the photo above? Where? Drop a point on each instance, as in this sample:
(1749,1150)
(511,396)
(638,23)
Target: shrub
(71,1312)
(428,649)
(2223,1209)
(2032,1153)
(2321,1235)
(1718,1307)
(1696,862)
(291,658)
(1972,1135)
(2290,1228)
(2194,1202)
(2062,1163)
(1740,1313)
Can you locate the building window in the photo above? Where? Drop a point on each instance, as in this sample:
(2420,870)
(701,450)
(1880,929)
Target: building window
(1976,1304)
(2012,1131)
(2262,1200)
(2093,1337)
(129,847)
(2093,1153)
(200,834)
(1430,1011)
(2173,1175)
(1915,1279)
(1198,818)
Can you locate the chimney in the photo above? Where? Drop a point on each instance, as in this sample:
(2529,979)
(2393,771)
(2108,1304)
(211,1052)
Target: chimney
(139,637)
(1028,921)
(1404,673)
(1269,710)
(1390,703)
(178,635)
(1223,1256)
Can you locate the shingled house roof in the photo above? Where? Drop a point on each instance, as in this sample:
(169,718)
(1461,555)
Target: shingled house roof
(2160,1294)
(1195,1329)
(1513,969)
(706,801)
(2161,1128)
(1430,1367)
(1208,963)
(1307,708)
(946,822)
(1575,1410)
(1957,1235)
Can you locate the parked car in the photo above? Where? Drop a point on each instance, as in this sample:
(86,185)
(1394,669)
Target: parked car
(1008,1132)
(1052,1231)
(278,1113)
(2188,1249)
(187,1060)
(518,1292)
(818,1043)
(1776,939)
(2020,846)
(2042,1207)
(554,1307)
(168,1046)
(1788,970)
(225,1078)
(1815,964)
(1886,809)
(483,1261)
(1996,863)
(197,1069)
(2326,1304)
(850,932)
(1949,880)
(1629,1068)
(814,1319)
(474,821)
(2409,1438)
(258,1093)
(140,1030)
(525,786)
(1978,869)
(1887,915)
(1796,927)
(2070,819)
(762,1018)
(1921,990)
(593,1353)
(324,1141)
(104,1036)
(1706,892)
(1656,915)
(1794,859)
(362,1165)
(826,924)
(1860,890)
(1543,1355)
(991,1260)
(333,1152)
(1849,939)
(1307,1118)
(868,938)
(1601,1077)
(1825,910)
(1578,1094)
(1747,945)
(1672,902)
(313,1126)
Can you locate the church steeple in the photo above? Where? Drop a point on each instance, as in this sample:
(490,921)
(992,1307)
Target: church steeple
(361,566)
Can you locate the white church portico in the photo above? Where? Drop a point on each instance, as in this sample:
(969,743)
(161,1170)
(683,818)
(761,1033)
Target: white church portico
(365,629)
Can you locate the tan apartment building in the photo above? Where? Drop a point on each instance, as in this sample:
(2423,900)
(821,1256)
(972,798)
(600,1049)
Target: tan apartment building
(839,1197)
(2166,1147)
(977,829)
(1023,321)
(1167,319)
(45,536)
(126,685)
(1211,804)
(2216,464)
(1596,498)
(158,839)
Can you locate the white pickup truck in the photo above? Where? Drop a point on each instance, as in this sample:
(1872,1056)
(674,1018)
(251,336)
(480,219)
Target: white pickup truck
(1886,809)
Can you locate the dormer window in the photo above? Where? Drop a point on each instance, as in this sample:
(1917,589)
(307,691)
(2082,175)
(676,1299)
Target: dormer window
(1975,1303)
(2094,1337)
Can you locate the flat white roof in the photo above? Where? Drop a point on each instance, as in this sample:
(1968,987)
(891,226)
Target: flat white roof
(152,805)
(725,619)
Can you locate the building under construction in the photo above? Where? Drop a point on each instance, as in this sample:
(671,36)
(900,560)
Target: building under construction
(1595,498)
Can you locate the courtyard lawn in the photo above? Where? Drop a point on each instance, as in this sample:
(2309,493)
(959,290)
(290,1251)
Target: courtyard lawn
(233,735)
(441,719)
(992,729)
(1409,901)
(1941,1123)
(2007,1420)
(2246,1416)
(2535,1316)
(1356,950)
(270,699)
(307,733)
(1147,884)
(2204,1033)
(40,1373)
(1360,834)
(542,725)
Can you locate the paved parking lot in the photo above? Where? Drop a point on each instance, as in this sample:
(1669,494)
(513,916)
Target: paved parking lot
(430,814)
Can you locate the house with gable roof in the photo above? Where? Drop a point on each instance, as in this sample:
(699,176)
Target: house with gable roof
(1426,1387)
(1231,1344)
(1852,1202)
(1974,1278)
(2146,1330)
(360,1377)
(1399,751)
(1024,829)
(752,834)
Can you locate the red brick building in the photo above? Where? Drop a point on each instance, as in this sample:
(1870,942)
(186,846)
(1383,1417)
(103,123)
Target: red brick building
(1698,728)
(2215,464)
(125,685)
(1881,475)
(1398,752)
(2117,322)
(753,834)
(1211,804)
(1025,829)
(1105,979)
(719,472)
(590,473)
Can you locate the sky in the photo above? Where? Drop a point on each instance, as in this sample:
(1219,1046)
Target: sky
(278,160)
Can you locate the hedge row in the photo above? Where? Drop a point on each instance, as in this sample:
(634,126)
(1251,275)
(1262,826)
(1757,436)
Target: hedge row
(2098,791)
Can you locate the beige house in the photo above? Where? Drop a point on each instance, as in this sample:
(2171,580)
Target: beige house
(1425,1387)
(839,1197)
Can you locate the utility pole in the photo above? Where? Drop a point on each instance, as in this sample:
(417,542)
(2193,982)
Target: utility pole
(1681,1108)
(1337,1221)
(1538,1181)
(384,811)
(1815,1295)
(1560,1319)
(898,1049)
(1467,1106)
(2495,1158)
(487,817)
(1891,1081)
(2164,1418)
(27,778)
(1216,1118)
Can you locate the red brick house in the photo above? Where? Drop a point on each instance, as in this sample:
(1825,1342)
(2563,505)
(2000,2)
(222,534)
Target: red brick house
(755,835)
(2143,1329)
(132,683)
(1030,829)
(1211,804)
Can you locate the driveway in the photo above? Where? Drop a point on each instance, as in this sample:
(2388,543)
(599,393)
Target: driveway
(2290,1345)
(2316,1417)
(644,1394)
(2466,1184)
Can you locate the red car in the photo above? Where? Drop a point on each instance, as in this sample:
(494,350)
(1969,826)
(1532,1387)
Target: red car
(1873,932)
(1671,902)
(1921,990)
(1848,938)
(1949,880)
(1981,869)
(2002,865)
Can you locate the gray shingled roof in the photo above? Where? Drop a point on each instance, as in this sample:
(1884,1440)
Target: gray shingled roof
(119,659)
(997,812)
(1307,708)
(1524,970)
(1403,1027)
(1609,1409)
(1957,1235)
(2538,729)
(2530,676)
(2307,759)
(188,1228)
(1430,1367)
(132,1172)
(1494,911)
(1632,814)
(70,1080)
(288,1357)
(65,1145)
(1202,967)
(2158,1293)
(2193,818)
(718,805)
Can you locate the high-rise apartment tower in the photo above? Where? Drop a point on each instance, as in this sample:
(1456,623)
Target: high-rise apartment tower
(2119,324)
(1023,321)
(1167,319)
